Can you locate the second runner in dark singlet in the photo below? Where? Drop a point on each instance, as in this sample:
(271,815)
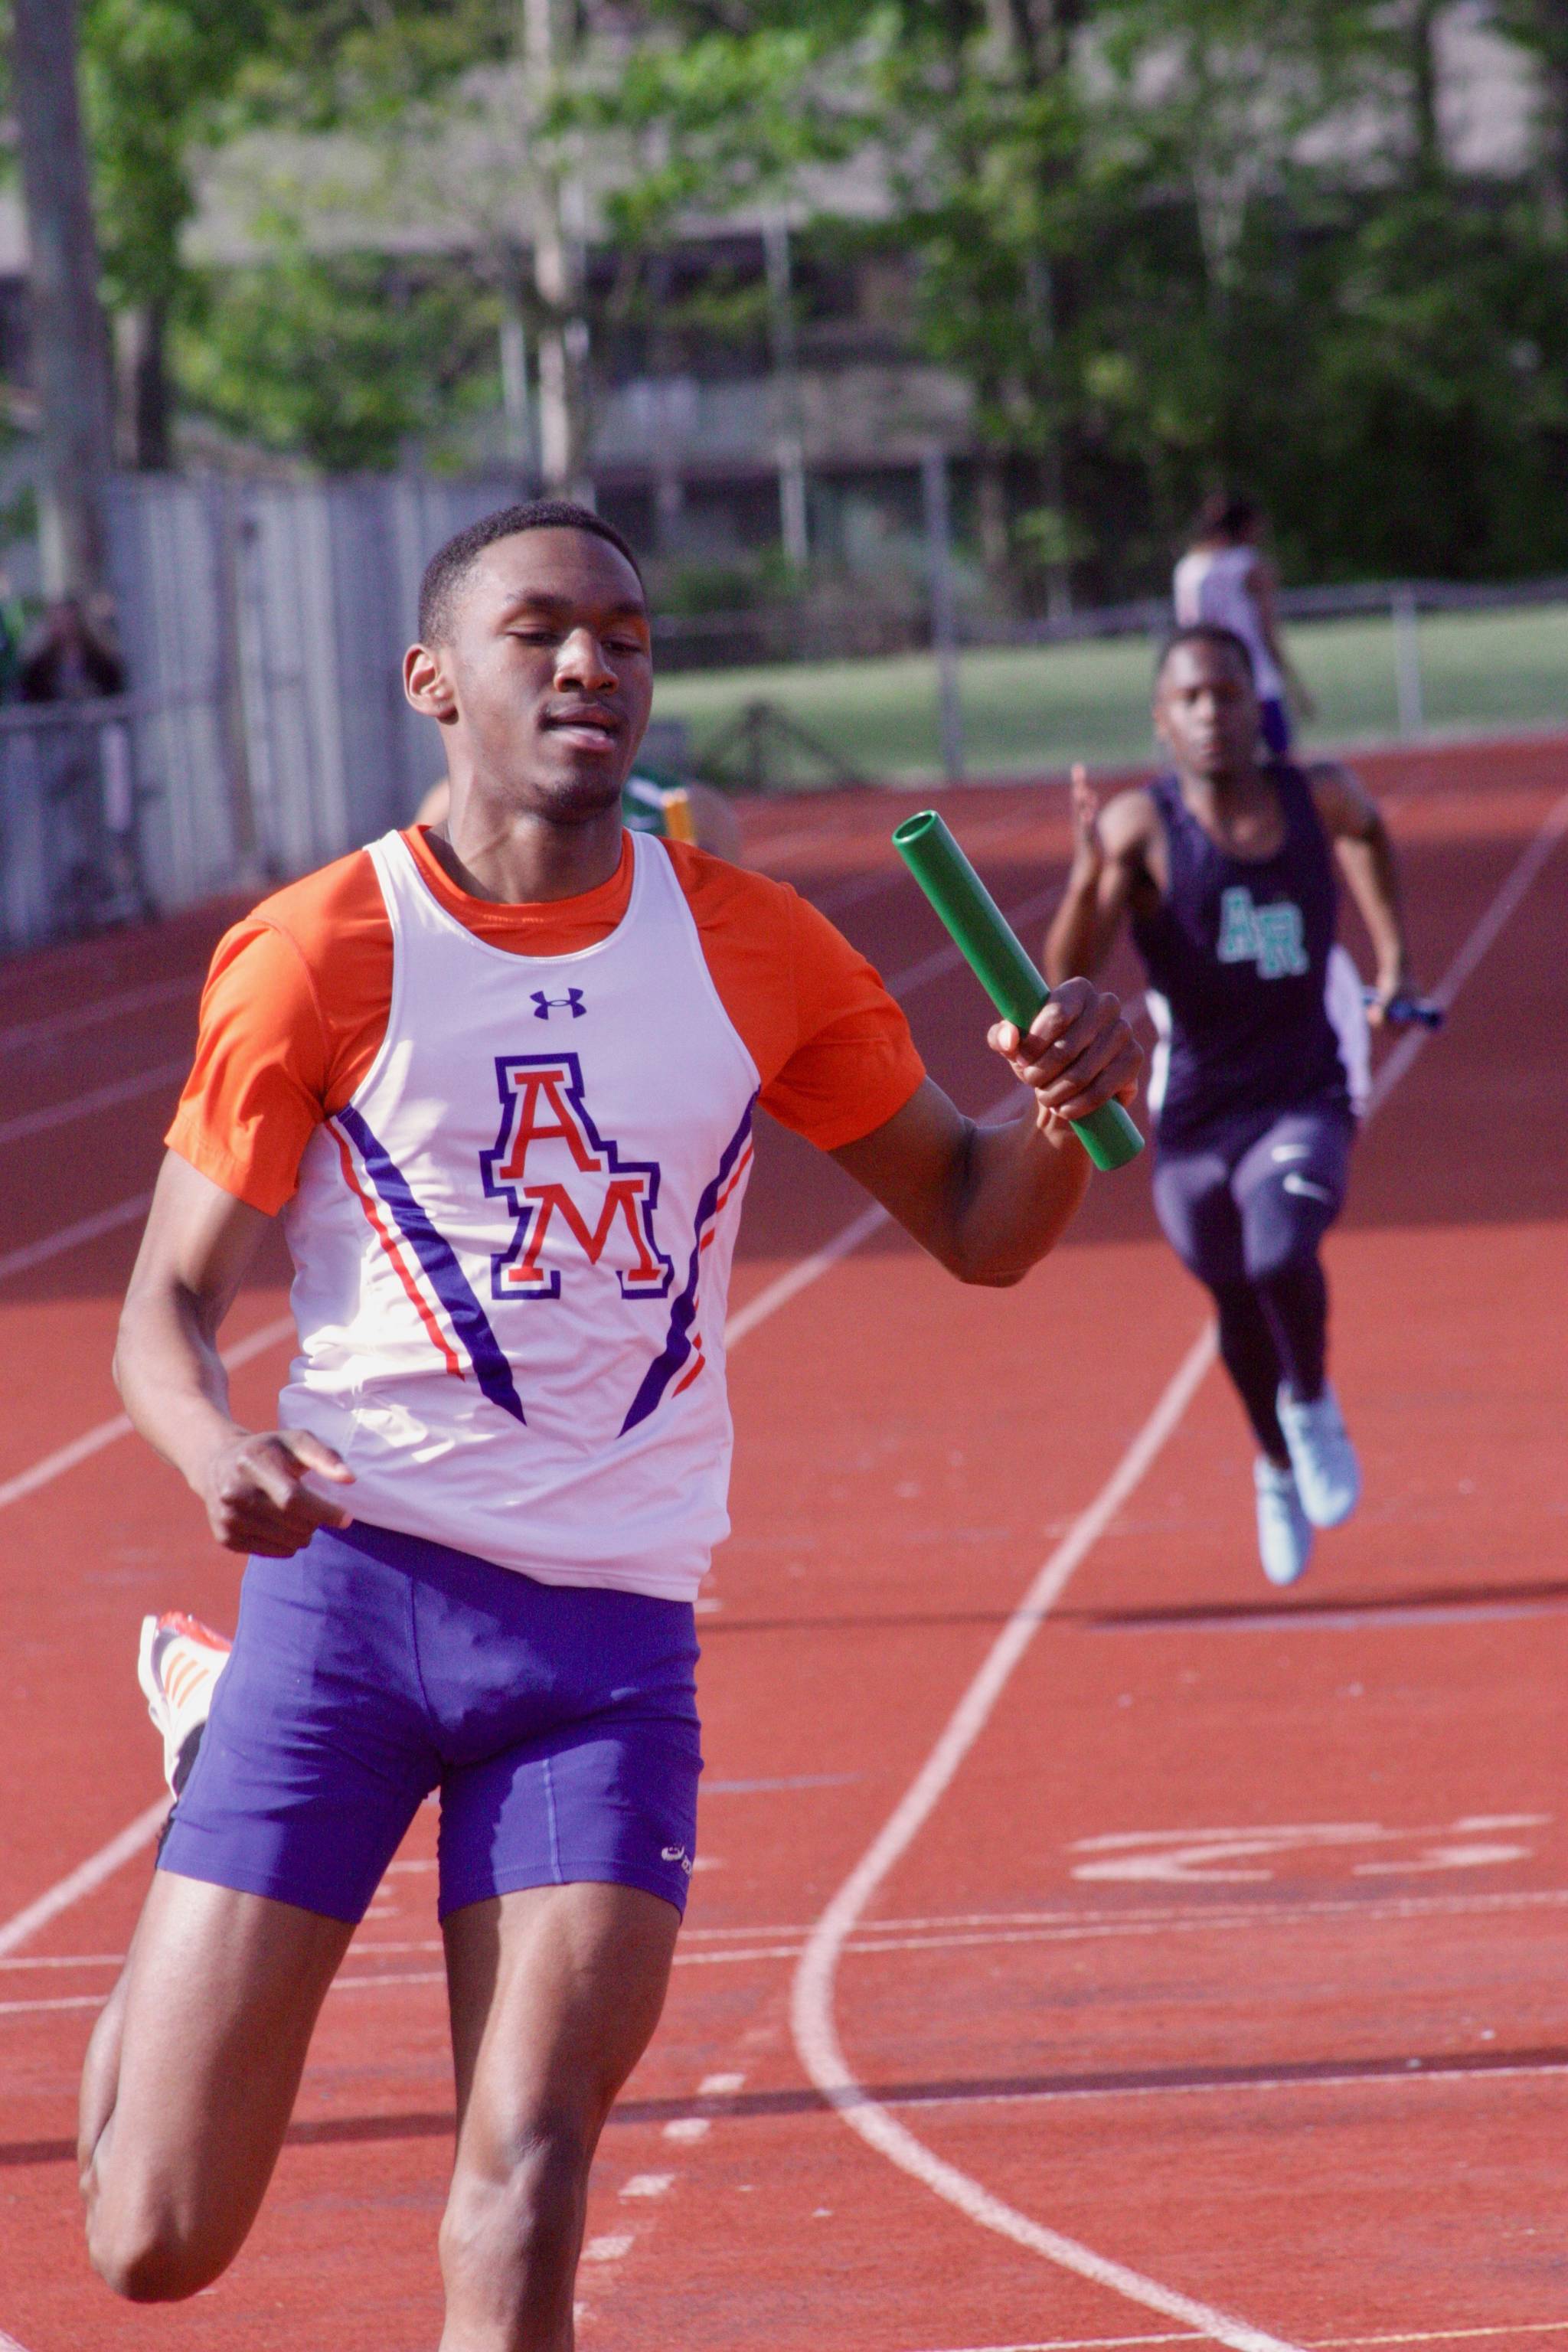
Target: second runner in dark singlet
(1227,868)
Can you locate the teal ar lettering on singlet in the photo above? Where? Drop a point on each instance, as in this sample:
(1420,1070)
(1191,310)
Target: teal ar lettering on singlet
(1273,938)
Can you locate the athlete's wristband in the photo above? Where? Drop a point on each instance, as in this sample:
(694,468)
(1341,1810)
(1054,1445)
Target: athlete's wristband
(1404,1011)
(993,953)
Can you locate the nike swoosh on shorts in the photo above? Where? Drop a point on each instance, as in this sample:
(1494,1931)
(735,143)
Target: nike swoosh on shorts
(1294,1183)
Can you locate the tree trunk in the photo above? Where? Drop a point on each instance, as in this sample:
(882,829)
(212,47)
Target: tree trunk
(1545,26)
(1425,131)
(991,510)
(144,404)
(558,282)
(69,336)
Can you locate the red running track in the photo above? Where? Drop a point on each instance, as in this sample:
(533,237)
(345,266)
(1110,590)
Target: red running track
(1225,1965)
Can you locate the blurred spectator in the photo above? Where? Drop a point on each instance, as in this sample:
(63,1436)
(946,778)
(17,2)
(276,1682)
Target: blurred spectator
(87,767)
(1222,578)
(68,659)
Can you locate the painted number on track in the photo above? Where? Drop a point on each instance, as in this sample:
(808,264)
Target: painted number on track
(1234,1857)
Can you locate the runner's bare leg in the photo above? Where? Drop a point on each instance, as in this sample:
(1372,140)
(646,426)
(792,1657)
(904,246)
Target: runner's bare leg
(191,2077)
(555,1994)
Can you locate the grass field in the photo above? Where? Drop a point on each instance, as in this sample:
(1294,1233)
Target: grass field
(1029,710)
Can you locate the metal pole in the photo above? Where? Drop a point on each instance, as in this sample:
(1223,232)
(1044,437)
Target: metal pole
(790,452)
(71,340)
(513,340)
(944,611)
(559,273)
(226,524)
(1407,664)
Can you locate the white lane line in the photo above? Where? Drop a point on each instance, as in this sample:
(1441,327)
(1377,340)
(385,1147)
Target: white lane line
(68,1960)
(1441,2334)
(9,2343)
(146,1082)
(768,1300)
(96,1098)
(968,1928)
(1084,2343)
(22,1033)
(108,1432)
(137,1834)
(1284,1909)
(949,958)
(773,1296)
(812,2003)
(70,1237)
(843,1244)
(844,894)
(685,2130)
(688,2130)
(648,2184)
(125,1213)
(769,1788)
(1397,2079)
(812,2014)
(609,2248)
(64,1457)
(80,1882)
(803,1273)
(70,2001)
(1310,2343)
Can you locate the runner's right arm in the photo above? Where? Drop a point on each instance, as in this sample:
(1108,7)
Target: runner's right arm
(198,1245)
(1108,862)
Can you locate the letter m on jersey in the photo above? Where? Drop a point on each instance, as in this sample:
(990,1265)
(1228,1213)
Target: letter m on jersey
(577,1202)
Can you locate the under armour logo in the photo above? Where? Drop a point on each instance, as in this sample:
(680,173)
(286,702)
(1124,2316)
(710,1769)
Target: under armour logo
(571,1002)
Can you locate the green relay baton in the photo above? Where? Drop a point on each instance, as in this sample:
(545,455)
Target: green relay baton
(992,949)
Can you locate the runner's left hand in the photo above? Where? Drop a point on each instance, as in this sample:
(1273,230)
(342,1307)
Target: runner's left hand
(1077,1053)
(1389,985)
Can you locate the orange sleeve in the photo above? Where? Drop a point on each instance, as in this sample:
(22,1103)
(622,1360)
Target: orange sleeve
(833,1048)
(292,1016)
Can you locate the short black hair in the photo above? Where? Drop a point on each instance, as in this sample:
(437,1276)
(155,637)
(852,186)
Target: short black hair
(1227,513)
(1207,633)
(444,572)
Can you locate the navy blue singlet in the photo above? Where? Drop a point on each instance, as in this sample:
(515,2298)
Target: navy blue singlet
(1238,950)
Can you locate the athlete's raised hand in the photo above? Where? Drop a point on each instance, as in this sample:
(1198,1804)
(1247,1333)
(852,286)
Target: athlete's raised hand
(1087,849)
(256,1495)
(1077,1053)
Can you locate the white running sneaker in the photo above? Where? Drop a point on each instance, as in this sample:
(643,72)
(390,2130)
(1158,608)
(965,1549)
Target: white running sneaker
(1284,1536)
(177,1665)
(1328,1475)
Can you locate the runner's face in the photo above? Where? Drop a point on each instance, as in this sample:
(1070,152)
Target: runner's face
(1205,712)
(551,665)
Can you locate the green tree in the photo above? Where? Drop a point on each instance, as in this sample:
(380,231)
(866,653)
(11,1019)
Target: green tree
(166,78)
(335,360)
(156,74)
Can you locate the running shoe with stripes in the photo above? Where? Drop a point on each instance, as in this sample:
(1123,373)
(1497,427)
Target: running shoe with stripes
(177,1666)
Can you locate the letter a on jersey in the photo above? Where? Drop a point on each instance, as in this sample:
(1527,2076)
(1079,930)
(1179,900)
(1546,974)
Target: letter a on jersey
(1272,937)
(578,1205)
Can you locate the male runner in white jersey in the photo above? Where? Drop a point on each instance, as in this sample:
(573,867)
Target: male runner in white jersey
(499,1079)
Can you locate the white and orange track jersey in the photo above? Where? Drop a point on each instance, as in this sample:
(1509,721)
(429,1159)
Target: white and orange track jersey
(515,1202)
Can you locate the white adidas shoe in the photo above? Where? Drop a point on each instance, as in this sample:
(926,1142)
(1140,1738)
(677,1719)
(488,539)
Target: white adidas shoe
(177,1665)
(1283,1534)
(1328,1475)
